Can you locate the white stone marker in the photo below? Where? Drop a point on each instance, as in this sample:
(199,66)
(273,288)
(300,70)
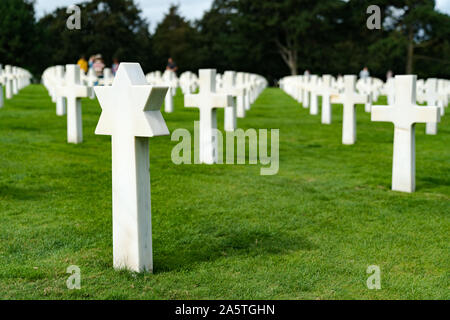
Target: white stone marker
(131,114)
(91,80)
(8,82)
(73,91)
(314,103)
(248,86)
(390,91)
(229,87)
(15,83)
(207,101)
(306,79)
(326,91)
(349,98)
(169,80)
(60,100)
(298,91)
(404,113)
(241,98)
(108,77)
(431,97)
(368,84)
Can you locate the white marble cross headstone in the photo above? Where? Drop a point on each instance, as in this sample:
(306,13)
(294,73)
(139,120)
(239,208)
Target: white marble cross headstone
(305,85)
(367,86)
(314,102)
(298,88)
(326,91)
(131,114)
(8,82)
(229,87)
(207,100)
(404,113)
(390,90)
(241,98)
(108,77)
(15,82)
(73,91)
(91,80)
(169,80)
(60,100)
(349,98)
(248,86)
(431,97)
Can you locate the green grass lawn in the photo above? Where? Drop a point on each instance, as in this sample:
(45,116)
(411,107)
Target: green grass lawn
(224,231)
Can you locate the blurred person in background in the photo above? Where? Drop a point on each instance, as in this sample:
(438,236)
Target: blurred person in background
(171,65)
(83,64)
(115,66)
(98,66)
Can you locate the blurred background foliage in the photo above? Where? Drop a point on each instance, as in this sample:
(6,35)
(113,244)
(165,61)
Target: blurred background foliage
(269,37)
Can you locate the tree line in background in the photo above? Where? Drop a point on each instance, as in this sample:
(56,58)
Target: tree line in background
(269,37)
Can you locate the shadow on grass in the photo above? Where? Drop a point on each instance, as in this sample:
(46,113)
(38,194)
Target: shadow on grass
(21,193)
(240,242)
(431,182)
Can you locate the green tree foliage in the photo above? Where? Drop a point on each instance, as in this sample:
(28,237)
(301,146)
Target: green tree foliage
(18,35)
(175,37)
(269,37)
(419,27)
(113,28)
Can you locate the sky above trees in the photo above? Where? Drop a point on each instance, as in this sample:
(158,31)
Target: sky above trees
(191,9)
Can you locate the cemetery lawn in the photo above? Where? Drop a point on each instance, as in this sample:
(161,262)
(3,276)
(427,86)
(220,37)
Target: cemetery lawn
(224,231)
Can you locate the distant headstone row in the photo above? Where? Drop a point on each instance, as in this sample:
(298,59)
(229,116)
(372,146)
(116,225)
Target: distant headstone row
(245,87)
(13,79)
(403,92)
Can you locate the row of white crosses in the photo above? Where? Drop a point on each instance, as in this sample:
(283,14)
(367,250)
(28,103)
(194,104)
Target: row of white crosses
(232,94)
(307,89)
(371,87)
(433,92)
(66,89)
(208,100)
(170,80)
(349,98)
(246,86)
(154,78)
(67,86)
(14,79)
(402,110)
(188,82)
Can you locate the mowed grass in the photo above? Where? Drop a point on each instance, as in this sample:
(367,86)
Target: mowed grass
(224,231)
